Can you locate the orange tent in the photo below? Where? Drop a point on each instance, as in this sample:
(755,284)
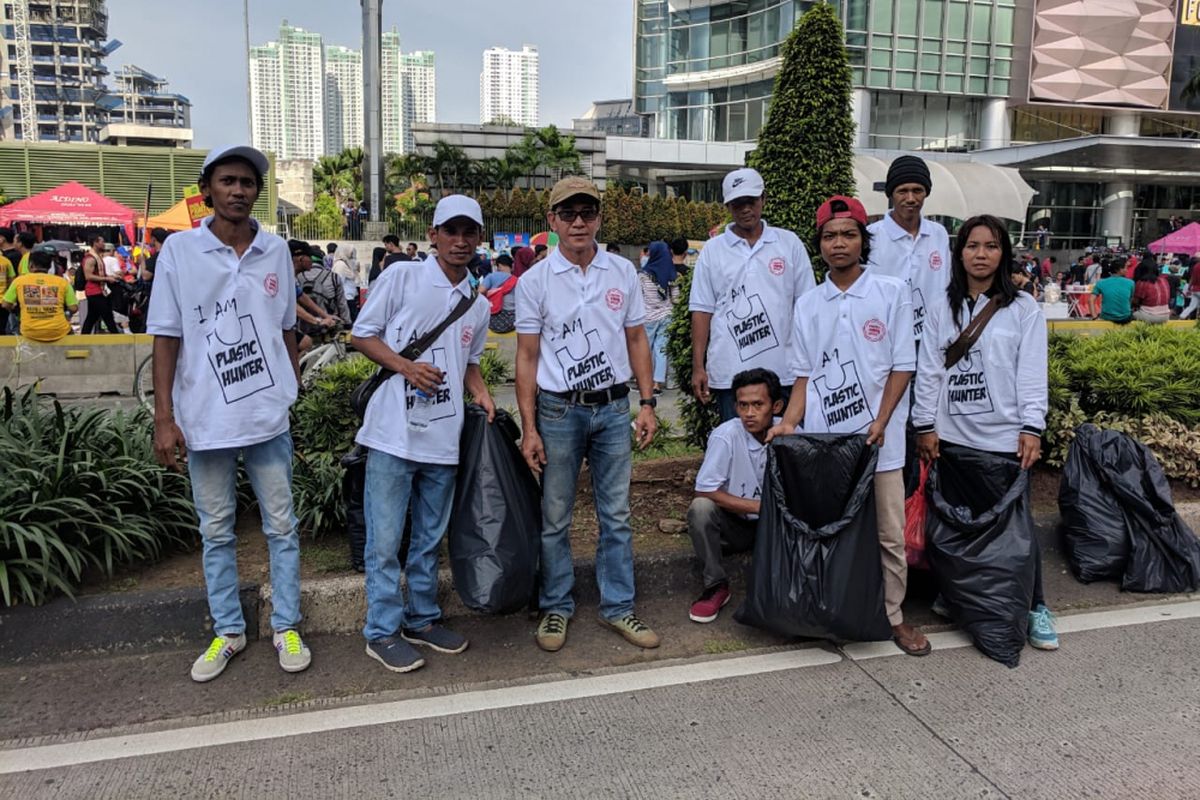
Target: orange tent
(174,218)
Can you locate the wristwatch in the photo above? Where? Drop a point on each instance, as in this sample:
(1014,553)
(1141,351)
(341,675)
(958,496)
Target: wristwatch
(649,401)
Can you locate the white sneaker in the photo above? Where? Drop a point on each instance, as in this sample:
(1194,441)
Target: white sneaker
(212,662)
(294,655)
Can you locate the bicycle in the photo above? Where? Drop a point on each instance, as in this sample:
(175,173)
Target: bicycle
(318,357)
(143,383)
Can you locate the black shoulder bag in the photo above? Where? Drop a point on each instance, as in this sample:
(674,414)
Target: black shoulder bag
(361,396)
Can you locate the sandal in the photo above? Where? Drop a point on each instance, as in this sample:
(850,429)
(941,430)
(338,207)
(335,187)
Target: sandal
(913,649)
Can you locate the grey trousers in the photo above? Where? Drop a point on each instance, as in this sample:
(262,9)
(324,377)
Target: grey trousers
(715,531)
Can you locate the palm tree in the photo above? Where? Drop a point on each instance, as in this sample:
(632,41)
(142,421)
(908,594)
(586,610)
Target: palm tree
(449,165)
(340,176)
(402,171)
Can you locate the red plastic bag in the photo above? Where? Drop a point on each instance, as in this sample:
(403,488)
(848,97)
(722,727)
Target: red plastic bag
(914,523)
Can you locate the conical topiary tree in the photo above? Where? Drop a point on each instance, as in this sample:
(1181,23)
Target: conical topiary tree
(805,150)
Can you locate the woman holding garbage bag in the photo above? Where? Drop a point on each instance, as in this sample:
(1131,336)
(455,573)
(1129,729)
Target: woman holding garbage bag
(979,410)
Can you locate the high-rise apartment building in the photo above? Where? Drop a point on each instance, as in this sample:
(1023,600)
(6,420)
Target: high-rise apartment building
(393,93)
(508,85)
(287,94)
(144,111)
(343,98)
(418,78)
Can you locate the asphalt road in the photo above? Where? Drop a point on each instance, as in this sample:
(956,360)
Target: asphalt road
(1113,714)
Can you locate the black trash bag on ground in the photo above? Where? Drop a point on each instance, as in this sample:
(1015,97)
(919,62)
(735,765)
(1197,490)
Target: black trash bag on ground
(1095,534)
(496,526)
(816,568)
(979,540)
(353,482)
(1164,554)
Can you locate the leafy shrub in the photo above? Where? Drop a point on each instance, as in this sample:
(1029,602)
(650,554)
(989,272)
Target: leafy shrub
(80,489)
(698,419)
(1143,380)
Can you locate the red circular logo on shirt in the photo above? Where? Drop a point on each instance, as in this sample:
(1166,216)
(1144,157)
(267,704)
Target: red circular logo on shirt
(935,260)
(874,330)
(271,284)
(615,299)
(776,266)
(467,335)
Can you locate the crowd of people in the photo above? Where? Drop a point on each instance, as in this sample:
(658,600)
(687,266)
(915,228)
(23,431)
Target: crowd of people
(908,332)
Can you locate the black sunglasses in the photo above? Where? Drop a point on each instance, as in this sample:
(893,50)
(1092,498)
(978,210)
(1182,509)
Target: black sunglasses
(569,214)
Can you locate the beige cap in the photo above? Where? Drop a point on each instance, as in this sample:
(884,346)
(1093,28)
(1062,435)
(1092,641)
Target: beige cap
(573,186)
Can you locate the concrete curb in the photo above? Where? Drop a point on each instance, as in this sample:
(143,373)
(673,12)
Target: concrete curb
(152,619)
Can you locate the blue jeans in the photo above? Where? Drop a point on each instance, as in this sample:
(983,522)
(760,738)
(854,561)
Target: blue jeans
(656,334)
(601,433)
(391,483)
(214,490)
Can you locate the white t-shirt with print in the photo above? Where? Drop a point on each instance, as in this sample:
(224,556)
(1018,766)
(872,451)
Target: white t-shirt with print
(923,262)
(404,305)
(750,291)
(847,344)
(581,317)
(734,462)
(234,380)
(995,390)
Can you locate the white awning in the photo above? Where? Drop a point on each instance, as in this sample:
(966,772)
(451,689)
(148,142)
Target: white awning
(961,189)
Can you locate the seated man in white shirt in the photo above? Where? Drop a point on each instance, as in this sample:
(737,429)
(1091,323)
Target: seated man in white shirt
(724,516)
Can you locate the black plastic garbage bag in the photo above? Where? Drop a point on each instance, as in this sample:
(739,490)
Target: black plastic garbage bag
(816,569)
(1095,533)
(353,482)
(496,525)
(979,540)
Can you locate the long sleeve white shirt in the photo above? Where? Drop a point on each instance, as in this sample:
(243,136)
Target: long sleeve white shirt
(996,391)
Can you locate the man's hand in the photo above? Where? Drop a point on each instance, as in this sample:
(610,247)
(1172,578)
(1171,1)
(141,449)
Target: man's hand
(167,439)
(782,429)
(424,376)
(645,427)
(700,385)
(1029,449)
(928,446)
(875,432)
(531,448)
(485,401)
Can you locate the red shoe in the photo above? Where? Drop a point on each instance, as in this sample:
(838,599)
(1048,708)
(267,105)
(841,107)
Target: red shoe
(710,603)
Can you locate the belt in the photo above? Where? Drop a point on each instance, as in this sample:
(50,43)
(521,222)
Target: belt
(597,398)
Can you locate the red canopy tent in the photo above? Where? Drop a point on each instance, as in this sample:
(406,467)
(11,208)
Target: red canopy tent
(1184,240)
(71,203)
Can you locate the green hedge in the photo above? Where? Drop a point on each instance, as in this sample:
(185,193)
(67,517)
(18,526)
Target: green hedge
(80,490)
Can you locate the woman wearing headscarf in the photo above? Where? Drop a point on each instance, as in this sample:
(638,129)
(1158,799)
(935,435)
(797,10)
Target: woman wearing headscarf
(990,395)
(659,292)
(345,267)
(522,260)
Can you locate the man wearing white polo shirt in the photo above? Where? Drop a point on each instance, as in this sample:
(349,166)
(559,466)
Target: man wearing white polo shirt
(579,335)
(746,281)
(225,374)
(907,246)
(412,427)
(852,358)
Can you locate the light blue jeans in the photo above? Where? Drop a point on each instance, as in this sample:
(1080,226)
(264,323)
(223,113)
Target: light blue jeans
(601,433)
(656,334)
(214,490)
(391,483)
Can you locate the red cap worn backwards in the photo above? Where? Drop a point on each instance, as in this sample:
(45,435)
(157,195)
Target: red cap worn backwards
(841,207)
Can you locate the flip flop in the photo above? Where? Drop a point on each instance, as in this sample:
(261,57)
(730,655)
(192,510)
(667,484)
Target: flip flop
(914,651)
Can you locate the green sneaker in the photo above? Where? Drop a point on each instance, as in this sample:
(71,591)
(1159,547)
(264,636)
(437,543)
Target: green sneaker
(212,662)
(552,632)
(294,655)
(634,630)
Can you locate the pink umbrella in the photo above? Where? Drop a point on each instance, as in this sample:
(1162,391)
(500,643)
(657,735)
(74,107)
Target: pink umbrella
(1184,240)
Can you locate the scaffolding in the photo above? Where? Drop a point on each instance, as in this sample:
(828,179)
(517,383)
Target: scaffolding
(24,66)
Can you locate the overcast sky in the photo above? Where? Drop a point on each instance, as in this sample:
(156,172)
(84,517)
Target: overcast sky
(585,46)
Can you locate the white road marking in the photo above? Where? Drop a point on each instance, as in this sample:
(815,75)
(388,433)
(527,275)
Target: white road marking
(143,744)
(1069,623)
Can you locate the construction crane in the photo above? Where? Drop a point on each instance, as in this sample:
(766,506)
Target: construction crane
(24,65)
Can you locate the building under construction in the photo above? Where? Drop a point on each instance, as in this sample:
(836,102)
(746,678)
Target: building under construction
(52,85)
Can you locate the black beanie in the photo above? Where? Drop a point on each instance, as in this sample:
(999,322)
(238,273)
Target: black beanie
(907,169)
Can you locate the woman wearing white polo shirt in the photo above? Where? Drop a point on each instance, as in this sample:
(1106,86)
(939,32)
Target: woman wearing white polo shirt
(997,402)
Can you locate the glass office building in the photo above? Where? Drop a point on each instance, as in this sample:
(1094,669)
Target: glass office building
(956,76)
